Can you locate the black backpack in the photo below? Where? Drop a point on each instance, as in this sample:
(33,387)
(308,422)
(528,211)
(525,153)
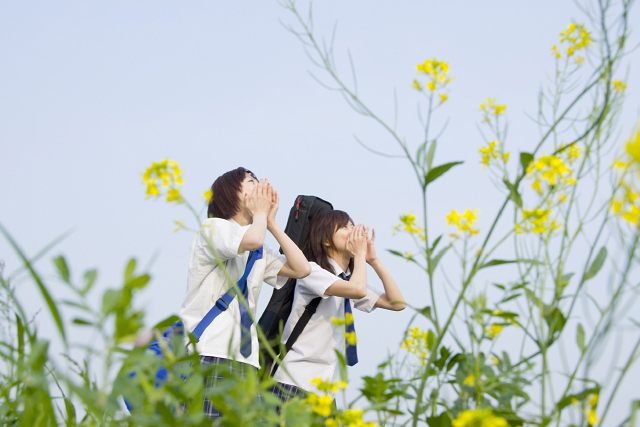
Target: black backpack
(278,309)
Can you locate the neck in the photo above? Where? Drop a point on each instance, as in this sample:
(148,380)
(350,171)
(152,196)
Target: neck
(342,259)
(243,217)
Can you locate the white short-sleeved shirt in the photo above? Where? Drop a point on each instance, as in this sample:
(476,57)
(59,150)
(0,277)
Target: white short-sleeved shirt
(207,282)
(313,354)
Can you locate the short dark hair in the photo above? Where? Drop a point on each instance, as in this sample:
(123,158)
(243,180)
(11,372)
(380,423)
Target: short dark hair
(225,202)
(323,225)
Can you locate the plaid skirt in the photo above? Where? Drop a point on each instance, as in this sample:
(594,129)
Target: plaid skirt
(286,392)
(217,367)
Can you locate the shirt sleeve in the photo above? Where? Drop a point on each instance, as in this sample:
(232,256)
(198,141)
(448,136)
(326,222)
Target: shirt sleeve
(221,238)
(274,262)
(368,303)
(318,281)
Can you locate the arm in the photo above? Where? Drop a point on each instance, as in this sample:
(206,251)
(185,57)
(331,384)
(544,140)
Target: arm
(392,299)
(258,203)
(297,265)
(355,288)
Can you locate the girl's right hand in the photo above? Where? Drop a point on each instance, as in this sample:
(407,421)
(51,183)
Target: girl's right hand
(357,242)
(260,199)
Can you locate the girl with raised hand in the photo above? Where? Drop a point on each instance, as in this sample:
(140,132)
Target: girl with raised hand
(339,252)
(241,210)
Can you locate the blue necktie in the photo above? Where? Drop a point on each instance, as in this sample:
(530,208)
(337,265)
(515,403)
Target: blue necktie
(351,350)
(245,318)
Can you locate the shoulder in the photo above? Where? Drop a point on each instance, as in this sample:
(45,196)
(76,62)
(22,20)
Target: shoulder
(318,274)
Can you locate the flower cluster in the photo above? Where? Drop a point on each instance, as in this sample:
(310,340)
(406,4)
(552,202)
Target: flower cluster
(348,319)
(553,170)
(328,386)
(618,86)
(416,343)
(479,418)
(322,405)
(625,202)
(537,221)
(349,418)
(591,413)
(464,222)
(491,109)
(438,77)
(491,152)
(494,330)
(408,224)
(576,37)
(168,173)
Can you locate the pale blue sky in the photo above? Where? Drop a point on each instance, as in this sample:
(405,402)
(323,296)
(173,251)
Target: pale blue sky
(91,93)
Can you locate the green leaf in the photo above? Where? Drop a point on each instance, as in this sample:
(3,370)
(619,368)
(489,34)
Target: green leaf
(596,265)
(71,413)
(164,324)
(458,358)
(510,297)
(442,420)
(430,154)
(396,253)
(499,286)
(419,152)
(580,337)
(43,289)
(494,262)
(63,269)
(431,339)
(138,282)
(89,280)
(128,271)
(579,397)
(111,299)
(83,322)
(436,172)
(436,259)
(426,312)
(435,243)
(513,193)
(555,320)
(525,159)
(20,332)
(38,355)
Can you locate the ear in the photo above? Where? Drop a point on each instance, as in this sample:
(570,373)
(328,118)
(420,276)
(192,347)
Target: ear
(327,243)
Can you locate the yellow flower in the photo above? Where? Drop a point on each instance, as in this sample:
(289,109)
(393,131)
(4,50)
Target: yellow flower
(592,416)
(416,85)
(179,225)
(173,195)
(479,418)
(431,85)
(207,195)
(351,338)
(168,172)
(494,330)
(593,401)
(464,222)
(618,86)
(470,380)
(331,422)
(495,360)
(328,386)
(443,97)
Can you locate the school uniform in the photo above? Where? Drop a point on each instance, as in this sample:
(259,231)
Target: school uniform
(313,354)
(220,344)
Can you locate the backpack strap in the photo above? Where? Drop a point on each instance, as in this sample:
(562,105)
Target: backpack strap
(309,311)
(225,300)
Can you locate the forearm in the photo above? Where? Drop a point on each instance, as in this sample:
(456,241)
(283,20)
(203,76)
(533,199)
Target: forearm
(359,274)
(254,237)
(296,261)
(391,289)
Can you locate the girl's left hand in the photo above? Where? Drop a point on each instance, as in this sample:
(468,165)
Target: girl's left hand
(371,250)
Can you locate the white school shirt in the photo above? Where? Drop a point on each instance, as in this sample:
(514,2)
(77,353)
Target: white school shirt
(207,282)
(313,354)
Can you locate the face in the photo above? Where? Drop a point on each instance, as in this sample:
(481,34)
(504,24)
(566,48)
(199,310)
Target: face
(340,237)
(247,186)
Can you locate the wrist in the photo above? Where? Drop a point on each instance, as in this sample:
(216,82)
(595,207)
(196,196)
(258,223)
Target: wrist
(373,261)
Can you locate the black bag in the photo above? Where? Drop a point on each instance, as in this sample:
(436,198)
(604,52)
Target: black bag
(279,307)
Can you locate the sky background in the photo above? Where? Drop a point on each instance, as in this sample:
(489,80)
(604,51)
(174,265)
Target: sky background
(91,93)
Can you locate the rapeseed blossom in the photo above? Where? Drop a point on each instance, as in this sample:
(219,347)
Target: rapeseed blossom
(625,201)
(416,342)
(322,405)
(575,38)
(494,330)
(552,170)
(490,152)
(537,221)
(437,73)
(479,418)
(408,224)
(491,108)
(618,86)
(328,386)
(463,222)
(347,320)
(167,174)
